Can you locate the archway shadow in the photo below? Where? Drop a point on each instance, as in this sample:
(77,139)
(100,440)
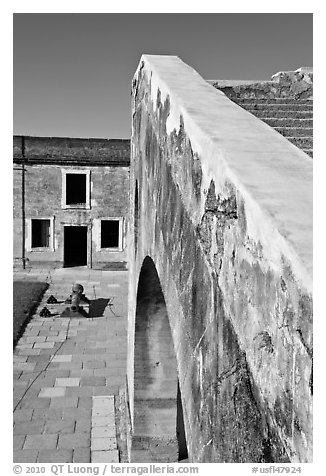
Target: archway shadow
(158,430)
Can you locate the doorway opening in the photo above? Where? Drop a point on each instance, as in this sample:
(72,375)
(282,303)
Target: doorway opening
(75,246)
(158,414)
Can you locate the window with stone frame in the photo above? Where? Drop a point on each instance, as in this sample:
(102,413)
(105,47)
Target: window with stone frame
(111,233)
(75,188)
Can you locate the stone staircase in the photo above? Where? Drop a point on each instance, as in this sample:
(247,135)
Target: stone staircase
(284,103)
(290,117)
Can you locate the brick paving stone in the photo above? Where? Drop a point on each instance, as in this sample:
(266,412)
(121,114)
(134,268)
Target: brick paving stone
(29,428)
(19,358)
(47,414)
(62,358)
(20,347)
(105,456)
(59,426)
(74,440)
(101,421)
(35,403)
(47,333)
(94,364)
(107,390)
(79,391)
(39,358)
(43,345)
(49,352)
(22,415)
(67,382)
(83,425)
(34,324)
(44,381)
(107,372)
(103,444)
(72,333)
(77,413)
(66,366)
(93,381)
(85,402)
(27,376)
(40,442)
(29,351)
(107,431)
(82,455)
(33,339)
(19,442)
(24,366)
(25,456)
(115,380)
(64,402)
(34,332)
(53,374)
(99,351)
(52,392)
(58,456)
(40,367)
(21,384)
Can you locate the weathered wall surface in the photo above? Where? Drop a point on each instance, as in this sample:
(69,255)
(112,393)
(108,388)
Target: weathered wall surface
(43,192)
(223,209)
(285,84)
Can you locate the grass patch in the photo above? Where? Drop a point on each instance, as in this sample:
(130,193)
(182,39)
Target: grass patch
(26,296)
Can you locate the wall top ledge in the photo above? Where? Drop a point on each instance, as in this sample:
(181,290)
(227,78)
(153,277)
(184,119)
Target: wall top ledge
(264,164)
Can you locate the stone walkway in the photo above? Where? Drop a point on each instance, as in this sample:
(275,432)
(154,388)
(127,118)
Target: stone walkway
(68,371)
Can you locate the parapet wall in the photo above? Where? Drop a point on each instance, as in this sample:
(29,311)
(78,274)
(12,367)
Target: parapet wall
(224,209)
(285,84)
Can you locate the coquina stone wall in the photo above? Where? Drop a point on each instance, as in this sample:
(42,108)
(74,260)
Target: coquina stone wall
(39,163)
(222,205)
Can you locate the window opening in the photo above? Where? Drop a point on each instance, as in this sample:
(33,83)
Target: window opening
(110,233)
(75,189)
(40,233)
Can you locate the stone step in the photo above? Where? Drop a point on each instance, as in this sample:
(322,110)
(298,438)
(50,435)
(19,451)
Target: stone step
(302,142)
(288,122)
(277,101)
(275,114)
(278,107)
(295,131)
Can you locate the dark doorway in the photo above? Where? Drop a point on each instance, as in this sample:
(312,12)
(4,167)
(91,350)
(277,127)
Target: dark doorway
(75,246)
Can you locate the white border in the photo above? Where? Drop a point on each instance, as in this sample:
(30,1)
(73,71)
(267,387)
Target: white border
(29,247)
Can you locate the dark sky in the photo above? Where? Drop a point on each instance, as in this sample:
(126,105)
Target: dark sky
(72,72)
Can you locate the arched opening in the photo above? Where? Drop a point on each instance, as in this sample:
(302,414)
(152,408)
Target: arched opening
(158,433)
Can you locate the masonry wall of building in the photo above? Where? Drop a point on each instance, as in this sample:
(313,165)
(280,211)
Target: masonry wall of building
(43,199)
(222,205)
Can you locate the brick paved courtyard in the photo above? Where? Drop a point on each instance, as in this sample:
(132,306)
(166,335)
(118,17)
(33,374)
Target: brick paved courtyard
(68,371)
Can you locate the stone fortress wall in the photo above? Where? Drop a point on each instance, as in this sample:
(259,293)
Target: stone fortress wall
(220,291)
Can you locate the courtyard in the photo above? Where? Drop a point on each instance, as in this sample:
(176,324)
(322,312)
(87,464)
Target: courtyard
(68,372)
